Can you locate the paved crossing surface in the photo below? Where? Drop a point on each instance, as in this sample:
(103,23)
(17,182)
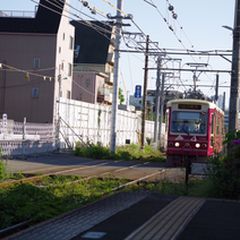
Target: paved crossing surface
(143,215)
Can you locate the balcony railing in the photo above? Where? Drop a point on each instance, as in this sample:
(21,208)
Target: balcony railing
(104,98)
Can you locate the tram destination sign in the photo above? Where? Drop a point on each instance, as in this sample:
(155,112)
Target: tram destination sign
(190,106)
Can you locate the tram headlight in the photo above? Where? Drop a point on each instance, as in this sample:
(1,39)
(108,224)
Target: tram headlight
(177,144)
(197,145)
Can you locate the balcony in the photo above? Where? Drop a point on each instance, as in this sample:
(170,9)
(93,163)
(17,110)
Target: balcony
(107,99)
(104,94)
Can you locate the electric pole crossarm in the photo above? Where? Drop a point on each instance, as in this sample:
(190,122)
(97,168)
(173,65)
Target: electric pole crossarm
(155,51)
(192,70)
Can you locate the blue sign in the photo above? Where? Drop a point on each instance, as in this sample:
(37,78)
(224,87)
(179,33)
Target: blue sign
(138,91)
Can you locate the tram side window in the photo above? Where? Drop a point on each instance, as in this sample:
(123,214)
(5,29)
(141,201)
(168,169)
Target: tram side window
(222,121)
(166,120)
(217,127)
(212,127)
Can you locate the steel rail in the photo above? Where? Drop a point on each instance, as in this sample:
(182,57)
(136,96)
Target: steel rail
(101,174)
(35,178)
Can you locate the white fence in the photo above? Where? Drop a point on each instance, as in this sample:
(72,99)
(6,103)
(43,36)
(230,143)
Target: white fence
(92,122)
(79,121)
(18,138)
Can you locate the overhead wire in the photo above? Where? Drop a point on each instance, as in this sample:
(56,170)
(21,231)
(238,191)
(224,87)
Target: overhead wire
(83,22)
(176,34)
(28,73)
(97,20)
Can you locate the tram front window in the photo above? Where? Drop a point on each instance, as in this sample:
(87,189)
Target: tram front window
(188,122)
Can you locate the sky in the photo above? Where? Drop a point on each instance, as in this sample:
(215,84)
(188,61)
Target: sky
(198,26)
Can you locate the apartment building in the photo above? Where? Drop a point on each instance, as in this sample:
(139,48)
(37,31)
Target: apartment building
(36,56)
(93,62)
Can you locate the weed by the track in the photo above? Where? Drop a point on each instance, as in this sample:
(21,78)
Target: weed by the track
(27,201)
(127,152)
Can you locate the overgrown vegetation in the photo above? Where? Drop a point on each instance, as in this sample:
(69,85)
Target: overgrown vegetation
(127,152)
(3,171)
(55,196)
(121,96)
(196,188)
(224,174)
(4,174)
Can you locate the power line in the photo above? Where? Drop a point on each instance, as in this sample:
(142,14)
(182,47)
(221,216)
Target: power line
(175,17)
(86,23)
(27,73)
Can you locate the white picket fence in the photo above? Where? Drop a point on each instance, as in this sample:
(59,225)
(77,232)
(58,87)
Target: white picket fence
(87,122)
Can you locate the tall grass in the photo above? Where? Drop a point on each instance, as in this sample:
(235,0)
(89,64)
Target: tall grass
(29,202)
(127,152)
(3,170)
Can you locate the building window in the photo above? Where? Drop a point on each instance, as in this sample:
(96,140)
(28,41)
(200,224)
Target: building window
(36,62)
(76,52)
(69,69)
(35,92)
(59,50)
(62,66)
(71,42)
(63,36)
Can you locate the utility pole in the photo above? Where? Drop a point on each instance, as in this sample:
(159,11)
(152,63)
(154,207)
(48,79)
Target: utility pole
(224,100)
(115,81)
(144,104)
(157,97)
(194,81)
(58,119)
(161,107)
(216,88)
(234,92)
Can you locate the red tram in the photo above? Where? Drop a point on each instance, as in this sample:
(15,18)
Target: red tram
(194,128)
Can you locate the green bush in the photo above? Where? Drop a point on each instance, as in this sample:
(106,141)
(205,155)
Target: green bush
(134,152)
(224,173)
(224,178)
(127,152)
(3,170)
(93,151)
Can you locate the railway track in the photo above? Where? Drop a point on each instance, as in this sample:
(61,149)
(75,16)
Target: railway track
(56,171)
(13,229)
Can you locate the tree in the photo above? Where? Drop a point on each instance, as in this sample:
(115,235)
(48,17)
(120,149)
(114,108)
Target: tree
(121,96)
